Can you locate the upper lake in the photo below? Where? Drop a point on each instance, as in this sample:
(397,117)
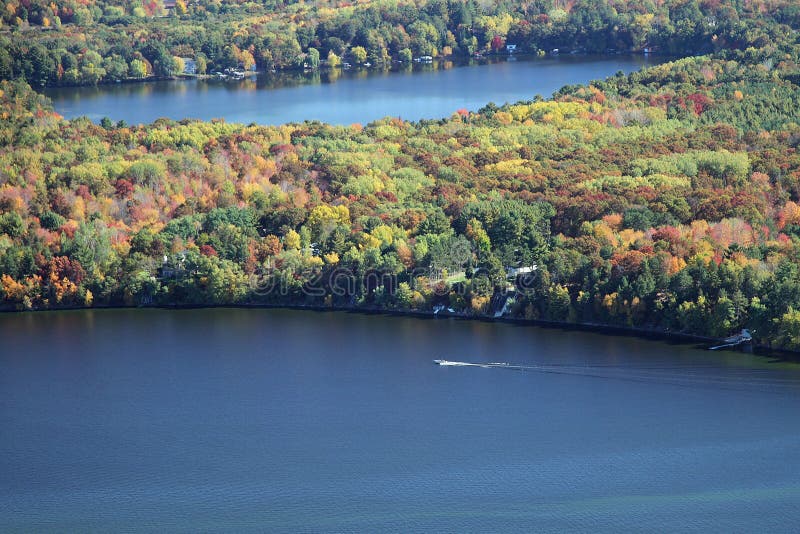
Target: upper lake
(342,97)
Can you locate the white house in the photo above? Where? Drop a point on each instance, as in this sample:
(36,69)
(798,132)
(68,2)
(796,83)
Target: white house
(513,272)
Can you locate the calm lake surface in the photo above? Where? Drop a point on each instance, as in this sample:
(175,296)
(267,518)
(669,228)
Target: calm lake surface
(295,421)
(347,97)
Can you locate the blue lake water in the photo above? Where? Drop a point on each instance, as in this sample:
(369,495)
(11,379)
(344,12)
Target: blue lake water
(295,421)
(356,96)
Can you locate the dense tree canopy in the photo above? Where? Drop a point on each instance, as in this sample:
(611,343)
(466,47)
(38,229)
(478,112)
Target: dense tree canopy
(666,199)
(69,42)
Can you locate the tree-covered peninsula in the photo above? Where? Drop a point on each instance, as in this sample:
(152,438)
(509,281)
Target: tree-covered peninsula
(667,199)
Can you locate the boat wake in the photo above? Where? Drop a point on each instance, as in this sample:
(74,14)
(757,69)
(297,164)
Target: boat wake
(489,365)
(687,376)
(448,363)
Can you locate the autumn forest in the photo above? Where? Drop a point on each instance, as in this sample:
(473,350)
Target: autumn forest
(668,199)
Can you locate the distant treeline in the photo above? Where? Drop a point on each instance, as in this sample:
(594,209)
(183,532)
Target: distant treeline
(74,42)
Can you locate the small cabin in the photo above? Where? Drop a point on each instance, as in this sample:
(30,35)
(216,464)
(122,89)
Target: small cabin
(511,48)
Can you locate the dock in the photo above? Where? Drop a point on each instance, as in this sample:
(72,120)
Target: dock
(741,338)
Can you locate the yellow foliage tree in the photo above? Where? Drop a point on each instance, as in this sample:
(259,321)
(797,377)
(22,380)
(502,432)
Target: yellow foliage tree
(291,241)
(13,290)
(384,234)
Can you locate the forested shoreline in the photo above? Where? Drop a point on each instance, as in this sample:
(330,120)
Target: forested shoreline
(668,200)
(83,42)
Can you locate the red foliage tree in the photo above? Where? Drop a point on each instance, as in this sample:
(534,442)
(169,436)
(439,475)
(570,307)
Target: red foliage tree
(700,102)
(208,250)
(123,188)
(497,43)
(60,267)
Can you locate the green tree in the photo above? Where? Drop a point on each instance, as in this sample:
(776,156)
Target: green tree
(559,303)
(116,68)
(313,58)
(178,65)
(201,65)
(39,67)
(12,224)
(359,54)
(91,68)
(787,328)
(138,68)
(334,61)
